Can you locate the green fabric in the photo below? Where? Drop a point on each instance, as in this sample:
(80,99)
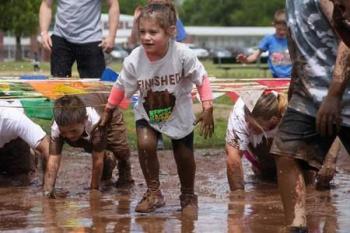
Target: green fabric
(38,107)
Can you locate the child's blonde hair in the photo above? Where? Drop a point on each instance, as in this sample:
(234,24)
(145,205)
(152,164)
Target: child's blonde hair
(163,13)
(270,105)
(279,17)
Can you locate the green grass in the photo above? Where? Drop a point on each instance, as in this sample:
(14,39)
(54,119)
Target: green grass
(222,105)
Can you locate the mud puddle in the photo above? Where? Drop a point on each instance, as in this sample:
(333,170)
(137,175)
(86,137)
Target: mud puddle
(23,209)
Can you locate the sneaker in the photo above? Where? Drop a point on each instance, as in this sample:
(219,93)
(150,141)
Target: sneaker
(150,201)
(125,178)
(189,204)
(297,229)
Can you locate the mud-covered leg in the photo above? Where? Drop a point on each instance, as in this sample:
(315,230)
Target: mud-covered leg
(186,168)
(147,150)
(293,193)
(124,168)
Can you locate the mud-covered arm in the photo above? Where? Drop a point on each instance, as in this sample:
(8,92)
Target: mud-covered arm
(330,109)
(206,117)
(234,167)
(328,169)
(52,166)
(98,140)
(43,149)
(97,169)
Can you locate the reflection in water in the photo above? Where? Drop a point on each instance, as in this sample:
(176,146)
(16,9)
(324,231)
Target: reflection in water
(259,210)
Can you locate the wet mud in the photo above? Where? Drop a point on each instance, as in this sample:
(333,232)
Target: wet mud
(258,210)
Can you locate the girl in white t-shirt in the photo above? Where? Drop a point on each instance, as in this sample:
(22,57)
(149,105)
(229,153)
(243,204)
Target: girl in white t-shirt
(250,134)
(164,71)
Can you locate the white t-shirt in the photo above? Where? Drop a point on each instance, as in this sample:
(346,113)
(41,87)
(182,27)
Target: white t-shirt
(174,74)
(92,118)
(238,130)
(14,123)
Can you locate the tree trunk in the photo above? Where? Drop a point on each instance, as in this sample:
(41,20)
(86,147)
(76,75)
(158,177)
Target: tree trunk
(18,56)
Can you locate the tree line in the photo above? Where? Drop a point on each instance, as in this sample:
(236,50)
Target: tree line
(20,17)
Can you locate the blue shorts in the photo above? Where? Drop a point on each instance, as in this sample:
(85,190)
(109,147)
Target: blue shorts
(297,137)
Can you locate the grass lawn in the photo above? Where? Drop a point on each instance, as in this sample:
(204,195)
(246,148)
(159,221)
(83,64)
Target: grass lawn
(222,105)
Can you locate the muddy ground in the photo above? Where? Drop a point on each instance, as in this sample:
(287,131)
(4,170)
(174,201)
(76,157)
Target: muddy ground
(259,210)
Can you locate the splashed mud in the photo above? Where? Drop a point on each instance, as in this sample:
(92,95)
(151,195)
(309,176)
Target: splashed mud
(258,210)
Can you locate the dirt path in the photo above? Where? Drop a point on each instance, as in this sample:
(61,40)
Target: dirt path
(23,209)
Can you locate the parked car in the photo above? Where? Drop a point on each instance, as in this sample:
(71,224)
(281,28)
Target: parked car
(221,55)
(200,52)
(119,53)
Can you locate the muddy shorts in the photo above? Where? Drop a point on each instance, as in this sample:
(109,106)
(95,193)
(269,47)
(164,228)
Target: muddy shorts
(16,158)
(297,137)
(117,138)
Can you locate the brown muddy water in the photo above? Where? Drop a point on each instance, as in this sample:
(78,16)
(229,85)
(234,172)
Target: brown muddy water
(259,210)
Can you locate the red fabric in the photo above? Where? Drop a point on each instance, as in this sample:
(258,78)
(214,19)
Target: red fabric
(233,96)
(205,92)
(274,83)
(117,98)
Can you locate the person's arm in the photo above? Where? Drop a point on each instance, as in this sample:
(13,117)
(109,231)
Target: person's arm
(234,168)
(97,169)
(134,36)
(45,15)
(107,43)
(43,149)
(249,59)
(327,171)
(329,111)
(52,166)
(206,117)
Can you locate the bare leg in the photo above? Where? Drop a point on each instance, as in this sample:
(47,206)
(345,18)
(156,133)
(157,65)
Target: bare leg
(292,189)
(147,150)
(186,166)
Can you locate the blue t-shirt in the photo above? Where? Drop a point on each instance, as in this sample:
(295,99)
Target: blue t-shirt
(180,31)
(279,60)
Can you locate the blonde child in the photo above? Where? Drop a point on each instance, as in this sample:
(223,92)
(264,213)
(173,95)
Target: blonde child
(250,134)
(164,71)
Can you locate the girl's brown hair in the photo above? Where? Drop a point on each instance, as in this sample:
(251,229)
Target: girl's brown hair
(163,13)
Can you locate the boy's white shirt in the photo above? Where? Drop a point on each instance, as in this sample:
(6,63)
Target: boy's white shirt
(92,118)
(237,125)
(15,124)
(137,67)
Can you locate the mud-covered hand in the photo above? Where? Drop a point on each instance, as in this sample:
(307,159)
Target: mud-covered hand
(206,120)
(325,175)
(106,117)
(328,115)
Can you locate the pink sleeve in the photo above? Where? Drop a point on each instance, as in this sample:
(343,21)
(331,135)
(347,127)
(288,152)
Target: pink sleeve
(116,96)
(204,90)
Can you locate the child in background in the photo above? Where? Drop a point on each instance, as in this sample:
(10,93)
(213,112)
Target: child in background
(250,134)
(20,139)
(164,71)
(75,121)
(279,61)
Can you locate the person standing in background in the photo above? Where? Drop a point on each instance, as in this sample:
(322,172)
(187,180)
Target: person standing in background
(77,36)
